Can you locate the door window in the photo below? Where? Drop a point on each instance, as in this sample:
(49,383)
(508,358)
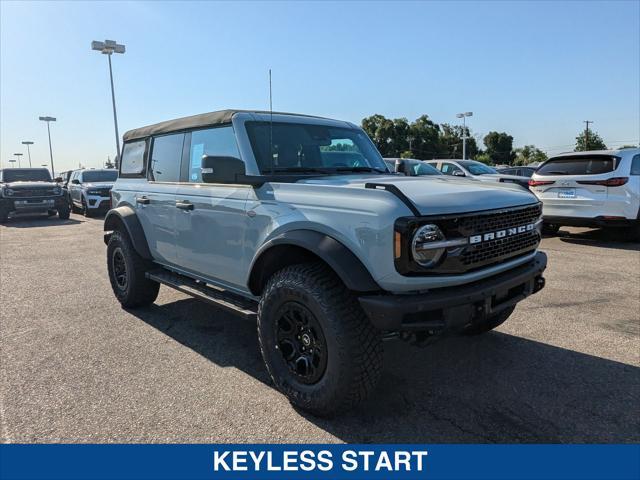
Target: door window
(132,158)
(219,142)
(166,155)
(449,168)
(635,165)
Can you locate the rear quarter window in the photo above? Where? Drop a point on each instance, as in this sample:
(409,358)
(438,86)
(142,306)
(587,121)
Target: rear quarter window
(579,165)
(635,165)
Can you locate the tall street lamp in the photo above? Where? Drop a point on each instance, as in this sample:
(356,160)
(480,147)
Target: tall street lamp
(18,155)
(27,143)
(48,120)
(107,48)
(464,116)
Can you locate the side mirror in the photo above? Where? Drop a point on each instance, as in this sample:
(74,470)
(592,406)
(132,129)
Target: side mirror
(75,181)
(217,169)
(458,173)
(58,179)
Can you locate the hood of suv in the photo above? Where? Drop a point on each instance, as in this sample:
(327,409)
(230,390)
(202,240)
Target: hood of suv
(440,195)
(98,185)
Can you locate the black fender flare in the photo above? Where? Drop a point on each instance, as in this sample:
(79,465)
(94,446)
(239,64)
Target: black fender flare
(126,216)
(343,261)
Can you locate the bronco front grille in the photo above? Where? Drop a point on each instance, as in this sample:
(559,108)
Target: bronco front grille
(490,222)
(489,249)
(36,192)
(501,248)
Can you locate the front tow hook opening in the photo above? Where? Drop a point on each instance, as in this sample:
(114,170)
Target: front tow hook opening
(539,284)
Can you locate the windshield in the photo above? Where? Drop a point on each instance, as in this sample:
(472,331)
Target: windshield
(100,176)
(477,168)
(298,147)
(421,168)
(26,175)
(578,165)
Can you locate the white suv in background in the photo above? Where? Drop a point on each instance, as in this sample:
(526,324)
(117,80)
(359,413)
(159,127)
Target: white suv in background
(590,189)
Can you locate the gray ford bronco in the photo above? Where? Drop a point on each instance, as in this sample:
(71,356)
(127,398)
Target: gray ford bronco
(297,222)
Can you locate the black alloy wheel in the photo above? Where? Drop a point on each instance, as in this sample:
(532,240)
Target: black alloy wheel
(119,269)
(301,342)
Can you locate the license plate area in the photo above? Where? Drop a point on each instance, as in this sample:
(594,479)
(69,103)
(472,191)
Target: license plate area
(567,193)
(33,203)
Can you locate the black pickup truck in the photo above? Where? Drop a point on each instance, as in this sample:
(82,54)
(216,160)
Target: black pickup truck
(30,190)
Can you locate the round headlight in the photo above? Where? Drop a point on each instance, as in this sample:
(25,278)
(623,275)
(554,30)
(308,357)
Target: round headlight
(423,247)
(57,190)
(8,192)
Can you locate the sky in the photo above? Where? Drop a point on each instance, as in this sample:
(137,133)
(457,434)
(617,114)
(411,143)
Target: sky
(535,70)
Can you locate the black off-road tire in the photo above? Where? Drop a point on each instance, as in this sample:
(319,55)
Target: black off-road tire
(353,352)
(4,215)
(489,323)
(85,209)
(136,290)
(63,213)
(73,207)
(632,233)
(550,228)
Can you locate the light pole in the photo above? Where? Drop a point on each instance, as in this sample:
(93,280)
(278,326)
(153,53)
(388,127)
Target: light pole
(464,116)
(48,120)
(18,155)
(107,48)
(27,143)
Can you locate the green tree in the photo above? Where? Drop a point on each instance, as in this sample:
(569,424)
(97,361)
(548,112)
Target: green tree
(595,142)
(425,138)
(381,130)
(499,147)
(528,154)
(451,141)
(484,158)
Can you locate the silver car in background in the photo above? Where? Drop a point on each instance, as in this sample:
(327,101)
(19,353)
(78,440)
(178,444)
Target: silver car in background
(90,190)
(476,170)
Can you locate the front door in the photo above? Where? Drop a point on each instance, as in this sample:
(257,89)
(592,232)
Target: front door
(211,219)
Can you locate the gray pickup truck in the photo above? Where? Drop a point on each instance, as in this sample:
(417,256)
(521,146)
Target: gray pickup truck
(297,222)
(30,190)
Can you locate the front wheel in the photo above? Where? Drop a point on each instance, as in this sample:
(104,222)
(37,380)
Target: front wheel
(320,349)
(127,273)
(63,213)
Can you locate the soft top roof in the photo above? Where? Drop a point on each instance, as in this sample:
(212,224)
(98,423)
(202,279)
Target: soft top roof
(195,121)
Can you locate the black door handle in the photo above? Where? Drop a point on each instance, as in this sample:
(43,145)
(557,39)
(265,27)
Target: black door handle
(184,205)
(143,200)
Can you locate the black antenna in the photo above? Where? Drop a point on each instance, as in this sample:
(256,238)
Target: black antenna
(270,124)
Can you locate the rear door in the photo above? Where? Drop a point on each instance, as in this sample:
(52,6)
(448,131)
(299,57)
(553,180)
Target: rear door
(211,219)
(157,205)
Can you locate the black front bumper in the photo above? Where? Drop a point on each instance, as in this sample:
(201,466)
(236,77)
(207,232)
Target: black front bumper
(20,205)
(453,308)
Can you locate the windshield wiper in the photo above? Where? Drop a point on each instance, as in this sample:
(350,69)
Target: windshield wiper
(300,170)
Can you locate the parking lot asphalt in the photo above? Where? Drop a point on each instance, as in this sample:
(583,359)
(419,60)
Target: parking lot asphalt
(76,367)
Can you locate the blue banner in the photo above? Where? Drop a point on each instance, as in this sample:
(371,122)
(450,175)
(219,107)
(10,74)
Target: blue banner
(283,462)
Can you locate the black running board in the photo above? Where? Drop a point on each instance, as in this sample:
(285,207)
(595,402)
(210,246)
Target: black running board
(221,298)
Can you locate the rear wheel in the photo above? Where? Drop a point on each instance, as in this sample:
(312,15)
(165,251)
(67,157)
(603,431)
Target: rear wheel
(632,233)
(320,349)
(489,323)
(127,272)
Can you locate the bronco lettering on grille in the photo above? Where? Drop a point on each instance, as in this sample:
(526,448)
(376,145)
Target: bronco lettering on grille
(508,232)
